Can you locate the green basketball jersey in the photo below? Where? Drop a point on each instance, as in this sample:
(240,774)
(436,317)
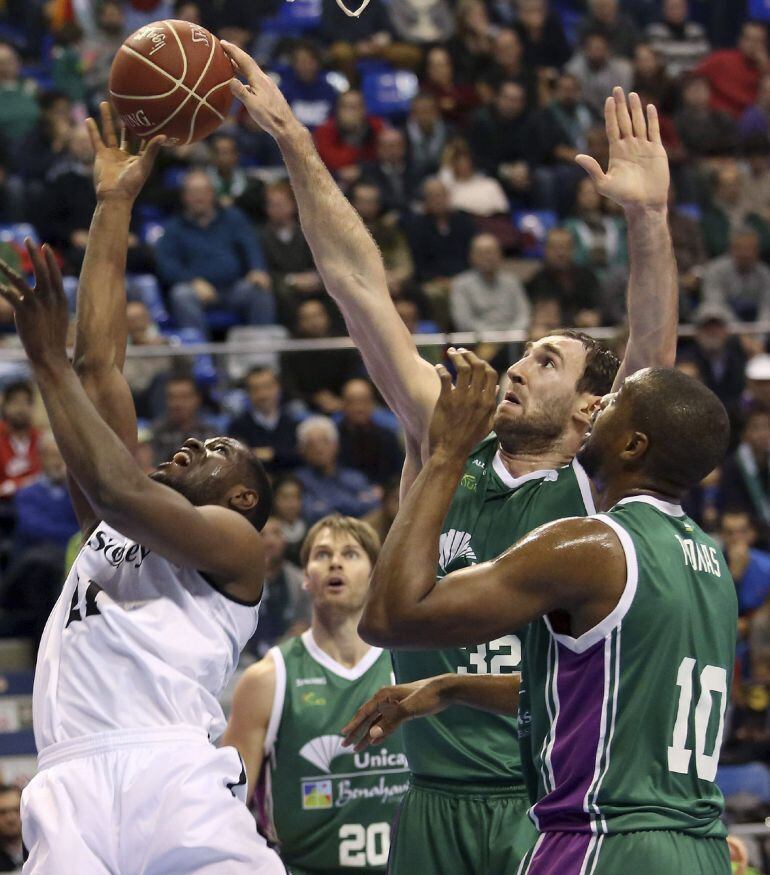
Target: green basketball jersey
(490,511)
(329,808)
(621,728)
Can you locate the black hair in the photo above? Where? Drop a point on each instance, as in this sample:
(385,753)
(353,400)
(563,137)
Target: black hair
(46,99)
(601,363)
(686,424)
(306,45)
(256,370)
(260,482)
(17,387)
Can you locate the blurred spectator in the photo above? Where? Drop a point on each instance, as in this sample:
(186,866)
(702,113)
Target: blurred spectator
(144,373)
(349,138)
(734,74)
(574,286)
(211,257)
(98,50)
(266,425)
(359,38)
(427,135)
(421,21)
(680,42)
(391,172)
(599,239)
(305,87)
(703,131)
(47,141)
(757,393)
(488,297)
(719,357)
(382,518)
(542,35)
(651,81)
(44,514)
(370,448)
(471,46)
(396,255)
(11,845)
(749,567)
(18,108)
(288,257)
(287,508)
(285,609)
(563,126)
(729,211)
(754,124)
(315,377)
(19,440)
(598,71)
(455,99)
(329,487)
(745,484)
(469,189)
(232,185)
(739,280)
(689,248)
(501,138)
(182,418)
(605,17)
(508,64)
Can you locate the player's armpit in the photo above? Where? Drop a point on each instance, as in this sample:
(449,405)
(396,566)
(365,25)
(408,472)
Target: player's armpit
(215,540)
(250,717)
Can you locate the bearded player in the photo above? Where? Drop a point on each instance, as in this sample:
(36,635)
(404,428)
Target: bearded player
(632,619)
(464,767)
(158,604)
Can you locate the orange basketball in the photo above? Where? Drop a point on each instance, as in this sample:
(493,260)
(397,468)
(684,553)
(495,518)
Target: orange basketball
(170,77)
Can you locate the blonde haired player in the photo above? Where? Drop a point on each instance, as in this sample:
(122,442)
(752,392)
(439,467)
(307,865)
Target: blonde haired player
(159,602)
(330,808)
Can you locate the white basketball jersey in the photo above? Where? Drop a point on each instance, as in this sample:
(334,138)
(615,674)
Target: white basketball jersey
(135,641)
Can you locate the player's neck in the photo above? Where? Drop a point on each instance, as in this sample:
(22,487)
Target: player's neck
(337,635)
(613,492)
(519,464)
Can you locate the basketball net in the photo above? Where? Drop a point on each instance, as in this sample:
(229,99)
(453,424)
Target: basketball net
(353,13)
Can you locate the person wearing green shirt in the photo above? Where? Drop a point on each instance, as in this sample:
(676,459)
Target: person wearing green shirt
(328,808)
(631,619)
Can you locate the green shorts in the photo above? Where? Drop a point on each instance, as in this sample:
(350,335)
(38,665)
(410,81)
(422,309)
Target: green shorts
(443,828)
(661,852)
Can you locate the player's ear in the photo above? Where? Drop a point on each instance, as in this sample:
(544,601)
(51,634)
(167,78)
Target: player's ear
(585,405)
(242,499)
(636,446)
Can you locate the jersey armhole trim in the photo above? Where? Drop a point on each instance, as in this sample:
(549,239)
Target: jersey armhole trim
(616,615)
(226,595)
(584,484)
(279,696)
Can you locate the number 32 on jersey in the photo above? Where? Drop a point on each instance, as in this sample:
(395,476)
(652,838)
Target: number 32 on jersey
(501,656)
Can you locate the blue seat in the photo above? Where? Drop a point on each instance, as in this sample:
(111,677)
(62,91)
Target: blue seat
(693,211)
(145,287)
(533,225)
(759,10)
(751,778)
(16,233)
(294,18)
(204,369)
(389,93)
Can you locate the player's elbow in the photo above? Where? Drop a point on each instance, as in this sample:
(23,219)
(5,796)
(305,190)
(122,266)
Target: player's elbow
(92,364)
(375,629)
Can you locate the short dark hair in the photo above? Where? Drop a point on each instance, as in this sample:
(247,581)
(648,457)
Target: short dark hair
(257,478)
(686,424)
(18,387)
(181,377)
(257,370)
(602,364)
(10,788)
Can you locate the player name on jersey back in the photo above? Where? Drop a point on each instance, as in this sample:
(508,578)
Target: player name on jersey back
(135,641)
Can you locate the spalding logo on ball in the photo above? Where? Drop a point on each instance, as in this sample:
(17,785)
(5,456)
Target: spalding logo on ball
(171,77)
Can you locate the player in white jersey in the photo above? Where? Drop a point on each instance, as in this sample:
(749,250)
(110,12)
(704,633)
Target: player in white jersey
(159,603)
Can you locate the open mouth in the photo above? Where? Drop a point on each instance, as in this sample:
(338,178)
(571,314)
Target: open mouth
(182,458)
(335,583)
(512,399)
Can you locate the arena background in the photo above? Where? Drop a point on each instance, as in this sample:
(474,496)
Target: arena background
(487,101)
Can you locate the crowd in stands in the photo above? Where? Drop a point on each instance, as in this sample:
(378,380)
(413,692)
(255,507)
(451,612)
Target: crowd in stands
(453,129)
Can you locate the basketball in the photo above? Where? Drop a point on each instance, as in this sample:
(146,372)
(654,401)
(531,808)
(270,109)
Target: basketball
(170,77)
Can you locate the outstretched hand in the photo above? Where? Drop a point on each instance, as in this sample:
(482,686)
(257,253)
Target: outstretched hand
(262,98)
(117,172)
(41,312)
(464,412)
(637,175)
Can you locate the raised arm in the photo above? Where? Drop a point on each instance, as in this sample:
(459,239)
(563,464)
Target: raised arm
(250,717)
(100,339)
(346,256)
(211,539)
(638,179)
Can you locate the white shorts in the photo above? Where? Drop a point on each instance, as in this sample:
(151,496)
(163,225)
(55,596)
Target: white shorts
(142,802)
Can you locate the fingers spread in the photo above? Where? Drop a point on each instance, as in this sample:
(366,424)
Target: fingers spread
(591,167)
(10,295)
(462,366)
(246,65)
(611,120)
(621,112)
(94,135)
(637,116)
(149,150)
(42,279)
(653,125)
(53,270)
(108,126)
(16,280)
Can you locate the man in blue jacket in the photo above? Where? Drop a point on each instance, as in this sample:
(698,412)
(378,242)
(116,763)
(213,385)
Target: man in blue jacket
(211,257)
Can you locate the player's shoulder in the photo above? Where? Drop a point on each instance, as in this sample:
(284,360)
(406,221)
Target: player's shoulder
(260,675)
